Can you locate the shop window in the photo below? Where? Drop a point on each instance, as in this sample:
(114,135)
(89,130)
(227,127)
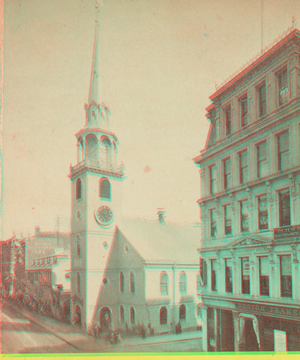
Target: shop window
(262,100)
(228,220)
(122,282)
(228,125)
(243,160)
(163,316)
(244,111)
(213,179)
(244,214)
(214,278)
(105,189)
(132,283)
(283,88)
(227,174)
(228,275)
(245,276)
(286,276)
(284,208)
(183,284)
(283,146)
(182,313)
(213,224)
(262,163)
(132,316)
(164,280)
(122,315)
(264,276)
(263,222)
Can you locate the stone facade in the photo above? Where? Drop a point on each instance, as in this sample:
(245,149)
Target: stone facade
(250,174)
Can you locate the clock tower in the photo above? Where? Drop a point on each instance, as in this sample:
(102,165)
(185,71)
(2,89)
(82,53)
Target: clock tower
(96,198)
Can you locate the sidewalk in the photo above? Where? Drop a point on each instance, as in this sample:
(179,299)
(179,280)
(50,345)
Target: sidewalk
(86,343)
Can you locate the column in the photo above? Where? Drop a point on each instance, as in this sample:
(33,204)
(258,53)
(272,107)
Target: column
(209,275)
(254,281)
(204,328)
(274,277)
(234,274)
(236,325)
(294,76)
(222,276)
(252,162)
(271,92)
(272,151)
(235,170)
(236,124)
(295,272)
(252,114)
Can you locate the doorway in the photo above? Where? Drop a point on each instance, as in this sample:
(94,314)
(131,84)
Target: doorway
(105,319)
(249,339)
(78,316)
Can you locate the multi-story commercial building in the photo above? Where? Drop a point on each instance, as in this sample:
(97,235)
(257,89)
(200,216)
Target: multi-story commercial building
(250,174)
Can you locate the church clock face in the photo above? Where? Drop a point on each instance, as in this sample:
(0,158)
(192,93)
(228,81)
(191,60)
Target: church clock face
(104,215)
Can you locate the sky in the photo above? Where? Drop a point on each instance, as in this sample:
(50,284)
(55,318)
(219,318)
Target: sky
(161,61)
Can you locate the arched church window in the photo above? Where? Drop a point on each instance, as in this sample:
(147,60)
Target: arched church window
(78,189)
(92,145)
(105,189)
(122,315)
(183,284)
(182,313)
(78,284)
(132,316)
(163,316)
(164,279)
(132,283)
(122,282)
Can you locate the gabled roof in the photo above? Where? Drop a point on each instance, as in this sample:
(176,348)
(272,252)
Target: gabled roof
(161,243)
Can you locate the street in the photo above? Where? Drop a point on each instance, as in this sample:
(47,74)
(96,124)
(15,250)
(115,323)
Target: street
(23,331)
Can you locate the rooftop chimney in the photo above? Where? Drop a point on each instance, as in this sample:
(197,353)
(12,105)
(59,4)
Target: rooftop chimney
(37,230)
(161,215)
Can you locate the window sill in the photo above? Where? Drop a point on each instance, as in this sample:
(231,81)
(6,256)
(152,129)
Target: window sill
(78,200)
(105,199)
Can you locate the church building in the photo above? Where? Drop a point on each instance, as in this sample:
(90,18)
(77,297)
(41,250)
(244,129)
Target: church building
(124,271)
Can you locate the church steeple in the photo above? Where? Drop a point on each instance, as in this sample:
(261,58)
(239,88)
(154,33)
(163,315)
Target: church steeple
(97,113)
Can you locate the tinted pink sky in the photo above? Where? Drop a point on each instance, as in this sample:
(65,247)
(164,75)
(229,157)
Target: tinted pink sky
(161,60)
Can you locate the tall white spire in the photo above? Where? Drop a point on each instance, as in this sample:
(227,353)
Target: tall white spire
(96,110)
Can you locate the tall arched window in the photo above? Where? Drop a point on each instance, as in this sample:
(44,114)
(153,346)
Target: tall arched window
(198,284)
(106,151)
(104,189)
(164,280)
(78,246)
(163,316)
(132,283)
(182,313)
(92,145)
(78,284)
(183,284)
(122,282)
(132,316)
(78,189)
(122,315)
